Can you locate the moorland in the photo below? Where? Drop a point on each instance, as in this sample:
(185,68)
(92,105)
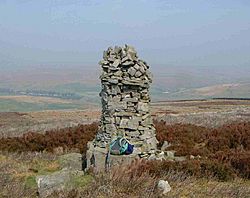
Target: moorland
(212,138)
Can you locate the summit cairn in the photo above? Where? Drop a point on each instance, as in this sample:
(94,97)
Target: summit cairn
(125,102)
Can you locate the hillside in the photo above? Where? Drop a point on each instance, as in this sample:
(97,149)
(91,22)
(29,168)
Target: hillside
(233,90)
(76,87)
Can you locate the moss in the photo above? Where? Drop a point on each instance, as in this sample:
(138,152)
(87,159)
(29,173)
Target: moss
(30,182)
(80,181)
(50,168)
(2,158)
(45,167)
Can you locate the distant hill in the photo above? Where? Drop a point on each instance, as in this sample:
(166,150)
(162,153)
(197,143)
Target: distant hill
(80,86)
(233,90)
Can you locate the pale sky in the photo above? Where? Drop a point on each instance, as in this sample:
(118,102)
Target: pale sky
(189,33)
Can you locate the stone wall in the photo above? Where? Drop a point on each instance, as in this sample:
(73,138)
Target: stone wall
(125,100)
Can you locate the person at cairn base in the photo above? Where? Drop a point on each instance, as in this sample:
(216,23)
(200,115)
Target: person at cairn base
(126,129)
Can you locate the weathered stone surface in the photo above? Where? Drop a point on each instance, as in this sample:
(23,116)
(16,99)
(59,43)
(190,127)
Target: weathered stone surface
(143,107)
(147,122)
(113,81)
(127,63)
(132,71)
(116,63)
(132,100)
(111,128)
(132,123)
(170,154)
(138,74)
(49,183)
(58,181)
(165,145)
(151,142)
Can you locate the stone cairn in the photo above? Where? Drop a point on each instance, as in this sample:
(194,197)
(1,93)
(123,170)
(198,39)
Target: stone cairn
(125,101)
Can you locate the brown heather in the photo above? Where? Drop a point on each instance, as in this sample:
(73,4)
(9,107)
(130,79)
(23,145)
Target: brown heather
(222,153)
(68,138)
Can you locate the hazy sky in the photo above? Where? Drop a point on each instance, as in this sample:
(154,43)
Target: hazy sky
(208,33)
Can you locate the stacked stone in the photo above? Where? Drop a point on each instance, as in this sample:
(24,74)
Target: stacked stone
(125,100)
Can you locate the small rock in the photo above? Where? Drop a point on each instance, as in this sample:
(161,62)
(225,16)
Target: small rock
(138,74)
(180,159)
(113,81)
(142,155)
(142,107)
(127,63)
(113,69)
(116,63)
(165,145)
(152,157)
(125,58)
(131,52)
(164,187)
(132,71)
(118,73)
(170,154)
(137,67)
(161,156)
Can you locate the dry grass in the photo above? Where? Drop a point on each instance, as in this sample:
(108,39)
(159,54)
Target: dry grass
(127,182)
(18,171)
